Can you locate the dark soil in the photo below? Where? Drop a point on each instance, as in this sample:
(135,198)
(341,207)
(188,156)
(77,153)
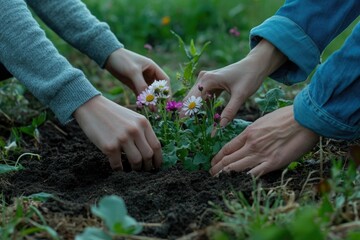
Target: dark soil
(175,200)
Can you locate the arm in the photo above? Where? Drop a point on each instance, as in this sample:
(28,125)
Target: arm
(72,21)
(333,99)
(301,29)
(32,59)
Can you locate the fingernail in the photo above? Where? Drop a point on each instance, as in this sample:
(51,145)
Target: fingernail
(223,122)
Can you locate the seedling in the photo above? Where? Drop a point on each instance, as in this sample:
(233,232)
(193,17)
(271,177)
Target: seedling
(118,223)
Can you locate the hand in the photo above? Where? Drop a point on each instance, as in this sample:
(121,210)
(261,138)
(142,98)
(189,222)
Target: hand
(240,79)
(134,70)
(270,143)
(113,128)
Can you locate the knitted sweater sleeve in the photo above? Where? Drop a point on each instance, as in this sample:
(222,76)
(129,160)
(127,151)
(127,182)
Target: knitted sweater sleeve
(32,59)
(73,22)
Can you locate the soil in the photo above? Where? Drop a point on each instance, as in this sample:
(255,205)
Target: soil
(172,202)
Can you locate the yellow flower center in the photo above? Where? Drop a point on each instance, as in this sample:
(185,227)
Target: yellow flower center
(192,105)
(149,98)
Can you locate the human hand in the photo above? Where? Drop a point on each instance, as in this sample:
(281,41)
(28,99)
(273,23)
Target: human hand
(134,70)
(113,128)
(270,143)
(240,79)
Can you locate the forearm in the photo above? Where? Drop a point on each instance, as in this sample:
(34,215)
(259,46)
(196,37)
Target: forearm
(71,20)
(266,57)
(31,58)
(301,29)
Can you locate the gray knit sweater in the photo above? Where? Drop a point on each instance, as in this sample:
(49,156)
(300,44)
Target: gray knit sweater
(32,58)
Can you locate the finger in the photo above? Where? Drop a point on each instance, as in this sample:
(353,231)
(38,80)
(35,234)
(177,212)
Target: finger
(155,146)
(145,151)
(262,169)
(230,110)
(139,83)
(133,155)
(228,161)
(115,161)
(229,148)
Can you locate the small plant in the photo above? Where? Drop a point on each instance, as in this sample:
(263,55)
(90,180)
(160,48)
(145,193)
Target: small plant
(272,100)
(118,223)
(23,220)
(195,138)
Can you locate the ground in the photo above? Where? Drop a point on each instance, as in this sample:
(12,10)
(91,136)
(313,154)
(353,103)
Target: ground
(172,202)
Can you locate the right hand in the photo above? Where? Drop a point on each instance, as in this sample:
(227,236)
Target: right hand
(113,128)
(241,79)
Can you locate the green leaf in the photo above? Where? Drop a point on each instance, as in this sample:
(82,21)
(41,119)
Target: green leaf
(182,44)
(113,211)
(7,168)
(116,90)
(189,165)
(201,158)
(41,196)
(326,208)
(40,119)
(272,100)
(180,93)
(193,50)
(92,233)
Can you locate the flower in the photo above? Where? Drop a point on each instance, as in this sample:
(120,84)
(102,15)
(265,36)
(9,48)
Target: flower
(217,117)
(147,97)
(200,87)
(165,20)
(160,88)
(173,106)
(234,32)
(192,105)
(148,46)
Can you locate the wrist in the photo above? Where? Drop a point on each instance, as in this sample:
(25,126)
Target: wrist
(266,57)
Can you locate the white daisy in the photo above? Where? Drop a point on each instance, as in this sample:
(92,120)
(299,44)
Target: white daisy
(192,105)
(160,88)
(147,97)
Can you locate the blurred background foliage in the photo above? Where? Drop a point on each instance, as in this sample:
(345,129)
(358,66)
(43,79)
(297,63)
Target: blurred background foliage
(144,27)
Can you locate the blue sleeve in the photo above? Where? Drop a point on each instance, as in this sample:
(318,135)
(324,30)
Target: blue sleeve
(330,104)
(71,20)
(301,29)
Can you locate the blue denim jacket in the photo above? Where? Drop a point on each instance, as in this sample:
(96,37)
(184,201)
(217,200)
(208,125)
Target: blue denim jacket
(301,29)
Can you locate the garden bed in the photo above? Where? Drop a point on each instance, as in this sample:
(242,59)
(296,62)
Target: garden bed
(172,202)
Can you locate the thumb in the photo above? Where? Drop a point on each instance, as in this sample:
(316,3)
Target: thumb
(230,111)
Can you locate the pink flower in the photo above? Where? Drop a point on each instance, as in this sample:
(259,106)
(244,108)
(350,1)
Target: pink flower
(173,106)
(148,46)
(234,32)
(217,117)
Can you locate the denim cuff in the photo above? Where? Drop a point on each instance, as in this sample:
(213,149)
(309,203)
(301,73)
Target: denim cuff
(292,41)
(310,115)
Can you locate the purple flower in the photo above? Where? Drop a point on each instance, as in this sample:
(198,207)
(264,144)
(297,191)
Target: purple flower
(148,46)
(234,32)
(173,106)
(217,117)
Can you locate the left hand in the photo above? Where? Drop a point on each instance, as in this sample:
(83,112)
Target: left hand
(270,143)
(134,70)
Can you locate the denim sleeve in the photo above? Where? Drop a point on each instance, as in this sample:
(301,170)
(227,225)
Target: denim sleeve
(301,29)
(71,20)
(330,104)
